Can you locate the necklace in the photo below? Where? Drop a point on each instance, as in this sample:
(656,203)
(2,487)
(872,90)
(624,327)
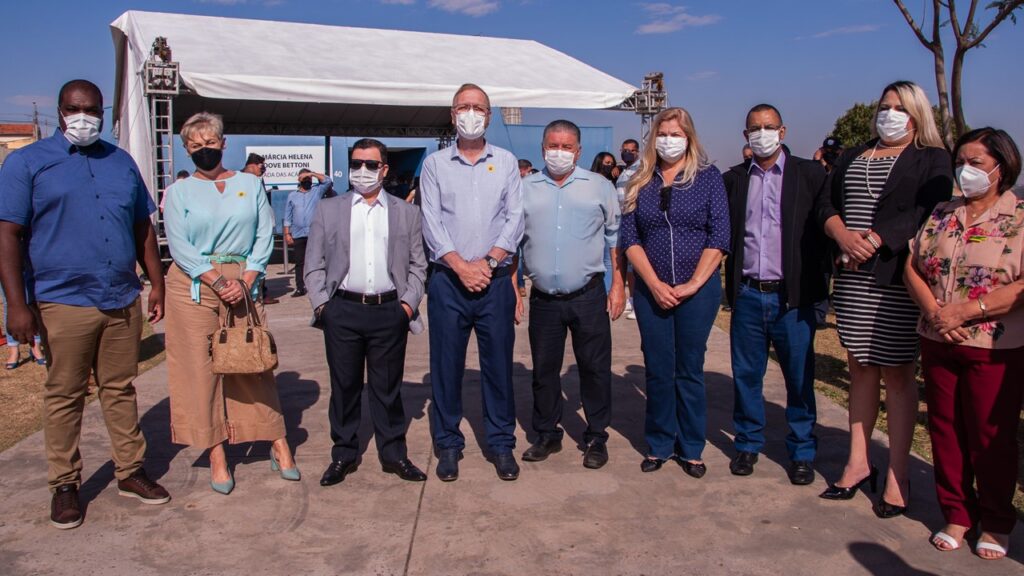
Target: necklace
(867,167)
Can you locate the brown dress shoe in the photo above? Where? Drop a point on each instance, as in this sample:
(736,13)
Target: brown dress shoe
(138,485)
(64,510)
(269,301)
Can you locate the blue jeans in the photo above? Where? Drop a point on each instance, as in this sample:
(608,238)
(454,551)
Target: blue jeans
(454,312)
(674,342)
(760,320)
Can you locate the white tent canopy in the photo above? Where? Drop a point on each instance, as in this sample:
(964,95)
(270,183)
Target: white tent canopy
(269,77)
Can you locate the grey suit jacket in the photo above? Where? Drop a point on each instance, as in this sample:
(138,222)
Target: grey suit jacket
(328,247)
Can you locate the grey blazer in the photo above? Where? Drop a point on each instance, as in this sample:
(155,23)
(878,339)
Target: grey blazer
(327,252)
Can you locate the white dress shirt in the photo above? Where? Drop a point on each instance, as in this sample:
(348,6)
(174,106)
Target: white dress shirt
(368,267)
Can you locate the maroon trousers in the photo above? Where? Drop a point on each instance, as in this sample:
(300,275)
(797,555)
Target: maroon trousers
(974,402)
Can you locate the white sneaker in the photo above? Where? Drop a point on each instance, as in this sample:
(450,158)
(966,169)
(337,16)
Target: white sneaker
(629,305)
(631,315)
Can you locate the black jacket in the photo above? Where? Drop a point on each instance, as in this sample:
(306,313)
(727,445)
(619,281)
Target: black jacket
(920,179)
(804,250)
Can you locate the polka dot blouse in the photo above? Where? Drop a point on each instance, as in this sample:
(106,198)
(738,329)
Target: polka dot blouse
(697,218)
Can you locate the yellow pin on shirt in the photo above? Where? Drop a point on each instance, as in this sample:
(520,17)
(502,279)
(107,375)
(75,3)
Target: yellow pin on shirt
(241,193)
(490,167)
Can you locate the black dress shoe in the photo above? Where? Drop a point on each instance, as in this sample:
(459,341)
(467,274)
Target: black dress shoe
(298,293)
(506,466)
(336,472)
(448,464)
(692,469)
(834,492)
(595,455)
(405,470)
(651,464)
(743,463)
(801,473)
(886,510)
(543,448)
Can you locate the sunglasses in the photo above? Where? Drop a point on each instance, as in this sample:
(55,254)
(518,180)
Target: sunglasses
(666,198)
(354,164)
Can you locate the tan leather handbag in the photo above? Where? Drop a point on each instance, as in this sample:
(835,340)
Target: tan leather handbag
(248,349)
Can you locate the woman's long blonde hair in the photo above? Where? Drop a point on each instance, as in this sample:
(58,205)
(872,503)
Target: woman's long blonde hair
(916,103)
(693,161)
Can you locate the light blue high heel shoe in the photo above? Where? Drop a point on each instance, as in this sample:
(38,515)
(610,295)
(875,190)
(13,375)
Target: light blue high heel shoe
(224,488)
(286,473)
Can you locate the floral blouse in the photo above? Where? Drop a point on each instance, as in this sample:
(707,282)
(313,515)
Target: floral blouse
(961,263)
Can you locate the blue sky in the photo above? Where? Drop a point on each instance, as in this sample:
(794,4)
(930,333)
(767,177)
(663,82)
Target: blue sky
(812,59)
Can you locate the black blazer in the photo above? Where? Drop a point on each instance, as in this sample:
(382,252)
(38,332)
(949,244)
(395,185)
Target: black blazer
(804,250)
(920,179)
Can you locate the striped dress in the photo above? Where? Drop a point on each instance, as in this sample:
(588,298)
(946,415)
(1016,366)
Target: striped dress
(877,324)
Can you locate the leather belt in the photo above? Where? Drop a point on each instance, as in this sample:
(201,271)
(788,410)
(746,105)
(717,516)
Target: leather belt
(769,286)
(368,299)
(595,280)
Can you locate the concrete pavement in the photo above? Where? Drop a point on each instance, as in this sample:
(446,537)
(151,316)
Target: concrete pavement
(558,518)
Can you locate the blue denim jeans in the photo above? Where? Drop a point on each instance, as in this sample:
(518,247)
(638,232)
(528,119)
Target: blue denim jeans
(673,343)
(760,320)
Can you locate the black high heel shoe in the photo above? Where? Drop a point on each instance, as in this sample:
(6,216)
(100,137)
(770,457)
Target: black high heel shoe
(834,492)
(886,510)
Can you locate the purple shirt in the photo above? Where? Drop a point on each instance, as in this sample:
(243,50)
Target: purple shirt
(762,241)
(698,218)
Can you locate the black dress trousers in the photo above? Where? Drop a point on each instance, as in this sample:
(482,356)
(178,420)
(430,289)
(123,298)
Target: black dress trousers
(373,338)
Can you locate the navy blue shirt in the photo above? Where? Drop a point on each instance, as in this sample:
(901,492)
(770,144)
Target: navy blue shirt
(80,206)
(697,218)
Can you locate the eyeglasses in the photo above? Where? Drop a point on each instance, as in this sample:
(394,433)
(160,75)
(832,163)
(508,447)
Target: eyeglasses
(354,164)
(467,107)
(666,198)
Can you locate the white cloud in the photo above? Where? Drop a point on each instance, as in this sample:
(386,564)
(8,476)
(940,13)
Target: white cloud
(402,2)
(844,31)
(703,75)
(222,2)
(467,7)
(666,18)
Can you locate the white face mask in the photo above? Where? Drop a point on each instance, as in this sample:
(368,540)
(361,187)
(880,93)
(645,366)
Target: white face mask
(764,143)
(671,148)
(973,181)
(82,129)
(892,124)
(470,125)
(559,162)
(364,180)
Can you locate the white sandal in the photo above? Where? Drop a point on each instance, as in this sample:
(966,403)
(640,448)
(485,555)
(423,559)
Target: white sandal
(991,547)
(953,543)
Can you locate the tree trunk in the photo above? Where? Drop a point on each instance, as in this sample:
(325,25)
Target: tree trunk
(959,122)
(940,85)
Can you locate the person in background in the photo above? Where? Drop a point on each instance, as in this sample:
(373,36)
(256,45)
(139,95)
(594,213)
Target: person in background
(830,150)
(79,290)
(298,213)
(256,165)
(773,276)
(604,164)
(675,231)
(181,175)
(874,202)
(966,272)
(748,153)
(472,246)
(572,221)
(35,353)
(365,271)
(629,152)
(220,230)
(525,167)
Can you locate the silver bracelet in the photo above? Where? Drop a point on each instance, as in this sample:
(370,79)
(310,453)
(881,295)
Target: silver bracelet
(872,240)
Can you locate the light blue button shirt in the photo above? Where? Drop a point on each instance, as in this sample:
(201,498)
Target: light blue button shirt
(298,212)
(203,224)
(568,228)
(471,207)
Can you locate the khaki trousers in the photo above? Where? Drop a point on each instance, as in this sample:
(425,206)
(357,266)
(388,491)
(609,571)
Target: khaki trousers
(207,409)
(79,340)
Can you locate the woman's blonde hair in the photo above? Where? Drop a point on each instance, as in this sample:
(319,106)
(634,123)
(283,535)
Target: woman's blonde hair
(694,159)
(202,123)
(916,103)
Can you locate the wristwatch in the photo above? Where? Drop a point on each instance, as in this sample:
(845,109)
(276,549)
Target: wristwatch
(491,262)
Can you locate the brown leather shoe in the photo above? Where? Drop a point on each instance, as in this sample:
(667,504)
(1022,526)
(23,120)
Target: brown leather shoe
(65,512)
(269,301)
(138,485)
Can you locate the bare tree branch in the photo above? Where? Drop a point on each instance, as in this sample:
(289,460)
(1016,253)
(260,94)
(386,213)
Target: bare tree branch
(954,20)
(1007,7)
(913,25)
(970,17)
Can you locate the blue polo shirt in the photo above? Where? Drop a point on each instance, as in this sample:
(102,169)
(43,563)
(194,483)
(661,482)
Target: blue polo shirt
(80,206)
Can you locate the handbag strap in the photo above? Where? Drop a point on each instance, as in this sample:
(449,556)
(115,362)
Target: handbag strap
(252,319)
